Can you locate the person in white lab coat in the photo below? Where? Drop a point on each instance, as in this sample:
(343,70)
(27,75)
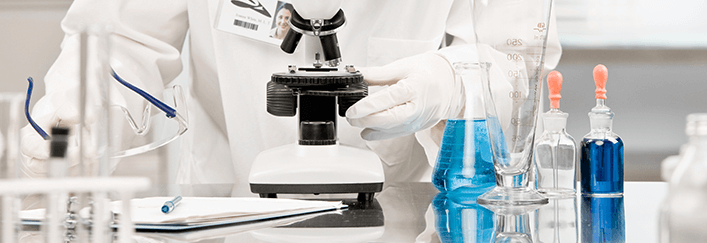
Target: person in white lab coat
(228,123)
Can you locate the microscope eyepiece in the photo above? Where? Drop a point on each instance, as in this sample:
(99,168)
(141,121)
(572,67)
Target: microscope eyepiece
(289,43)
(330,47)
(326,33)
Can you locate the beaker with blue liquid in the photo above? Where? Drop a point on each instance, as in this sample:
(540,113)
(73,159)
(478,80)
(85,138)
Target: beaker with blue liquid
(465,158)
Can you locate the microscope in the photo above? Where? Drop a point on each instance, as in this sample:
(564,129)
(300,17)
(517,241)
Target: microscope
(317,163)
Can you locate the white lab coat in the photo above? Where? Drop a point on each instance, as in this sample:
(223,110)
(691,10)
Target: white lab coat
(228,122)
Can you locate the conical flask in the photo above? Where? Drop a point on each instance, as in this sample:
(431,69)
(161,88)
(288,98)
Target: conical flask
(465,158)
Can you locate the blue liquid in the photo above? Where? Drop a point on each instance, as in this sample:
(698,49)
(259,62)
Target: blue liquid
(448,174)
(603,220)
(459,216)
(602,166)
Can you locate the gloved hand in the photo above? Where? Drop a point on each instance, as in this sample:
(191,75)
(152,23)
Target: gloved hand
(58,108)
(423,90)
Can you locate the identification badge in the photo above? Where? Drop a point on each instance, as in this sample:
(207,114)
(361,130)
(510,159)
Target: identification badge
(263,20)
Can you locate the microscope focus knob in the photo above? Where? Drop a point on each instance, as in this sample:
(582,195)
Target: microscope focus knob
(281,100)
(347,101)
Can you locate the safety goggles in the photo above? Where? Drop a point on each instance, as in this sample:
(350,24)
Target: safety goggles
(154,130)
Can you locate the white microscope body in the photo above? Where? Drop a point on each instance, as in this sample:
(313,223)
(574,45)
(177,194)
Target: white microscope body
(317,163)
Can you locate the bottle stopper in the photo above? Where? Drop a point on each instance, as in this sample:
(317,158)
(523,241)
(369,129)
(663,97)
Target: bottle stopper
(554,84)
(600,76)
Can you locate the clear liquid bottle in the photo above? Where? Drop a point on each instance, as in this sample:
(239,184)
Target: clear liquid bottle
(555,151)
(602,150)
(683,218)
(465,158)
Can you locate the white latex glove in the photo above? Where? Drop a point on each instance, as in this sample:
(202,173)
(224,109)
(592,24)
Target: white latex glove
(423,90)
(56,108)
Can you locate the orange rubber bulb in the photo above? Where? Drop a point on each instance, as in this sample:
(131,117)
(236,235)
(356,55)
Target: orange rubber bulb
(600,76)
(554,85)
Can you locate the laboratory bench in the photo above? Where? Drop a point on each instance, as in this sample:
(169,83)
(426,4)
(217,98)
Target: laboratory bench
(418,212)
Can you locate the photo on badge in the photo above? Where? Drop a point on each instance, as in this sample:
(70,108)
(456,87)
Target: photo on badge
(281,20)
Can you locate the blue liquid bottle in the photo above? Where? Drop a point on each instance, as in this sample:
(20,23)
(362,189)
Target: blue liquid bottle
(602,151)
(461,162)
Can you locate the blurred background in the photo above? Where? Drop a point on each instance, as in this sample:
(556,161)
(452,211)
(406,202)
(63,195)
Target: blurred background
(656,53)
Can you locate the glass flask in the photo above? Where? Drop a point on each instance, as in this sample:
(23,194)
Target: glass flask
(460,219)
(687,197)
(602,150)
(555,151)
(464,158)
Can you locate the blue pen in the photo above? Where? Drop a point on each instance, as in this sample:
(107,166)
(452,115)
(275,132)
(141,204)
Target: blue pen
(170,205)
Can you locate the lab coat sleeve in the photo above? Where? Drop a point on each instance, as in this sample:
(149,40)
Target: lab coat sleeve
(146,41)
(463,48)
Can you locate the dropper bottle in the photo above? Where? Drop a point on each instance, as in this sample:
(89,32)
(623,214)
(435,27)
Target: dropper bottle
(602,151)
(555,151)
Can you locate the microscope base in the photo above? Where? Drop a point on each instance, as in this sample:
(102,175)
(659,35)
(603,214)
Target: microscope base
(365,190)
(308,169)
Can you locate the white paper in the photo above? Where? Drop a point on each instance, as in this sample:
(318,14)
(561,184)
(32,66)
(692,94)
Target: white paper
(209,209)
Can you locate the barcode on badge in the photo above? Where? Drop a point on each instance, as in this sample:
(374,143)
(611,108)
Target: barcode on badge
(246,25)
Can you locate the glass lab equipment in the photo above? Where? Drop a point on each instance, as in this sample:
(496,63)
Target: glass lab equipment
(685,205)
(464,158)
(92,138)
(603,219)
(555,151)
(687,153)
(512,35)
(460,219)
(602,150)
(10,123)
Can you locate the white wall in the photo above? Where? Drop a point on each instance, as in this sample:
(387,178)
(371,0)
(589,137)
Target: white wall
(29,41)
